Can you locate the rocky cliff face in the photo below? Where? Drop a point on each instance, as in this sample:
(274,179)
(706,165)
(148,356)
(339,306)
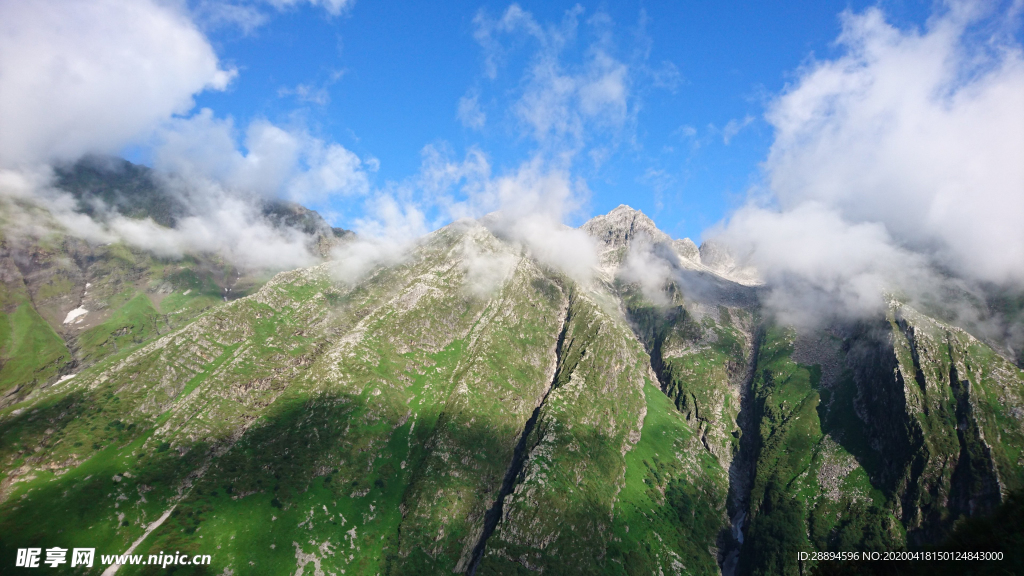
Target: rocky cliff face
(420,421)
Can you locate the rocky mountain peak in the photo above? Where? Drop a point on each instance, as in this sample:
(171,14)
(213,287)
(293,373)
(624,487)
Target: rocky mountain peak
(620,226)
(687,249)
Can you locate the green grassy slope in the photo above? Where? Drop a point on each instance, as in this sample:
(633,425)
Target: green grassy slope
(31,352)
(809,491)
(367,428)
(917,428)
(411,423)
(130,296)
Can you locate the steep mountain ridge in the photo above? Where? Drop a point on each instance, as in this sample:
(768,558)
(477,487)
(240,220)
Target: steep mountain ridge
(66,302)
(103,185)
(439,415)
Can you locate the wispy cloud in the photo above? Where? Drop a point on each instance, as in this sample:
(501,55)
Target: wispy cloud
(469,112)
(312,92)
(307,93)
(214,14)
(561,98)
(333,7)
(249,15)
(733,127)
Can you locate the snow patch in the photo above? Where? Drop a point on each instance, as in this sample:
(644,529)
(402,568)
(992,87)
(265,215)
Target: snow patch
(75,315)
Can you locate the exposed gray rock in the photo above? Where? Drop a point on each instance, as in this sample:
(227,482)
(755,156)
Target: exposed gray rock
(687,249)
(719,259)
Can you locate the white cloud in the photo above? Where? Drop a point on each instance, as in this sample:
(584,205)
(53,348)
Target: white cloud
(487,266)
(921,132)
(686,131)
(652,271)
(223,223)
(526,207)
(233,230)
(819,263)
(313,92)
(458,188)
(78,76)
(383,237)
(328,169)
(81,77)
(658,179)
(212,14)
(307,93)
(904,150)
(249,15)
(533,203)
(275,162)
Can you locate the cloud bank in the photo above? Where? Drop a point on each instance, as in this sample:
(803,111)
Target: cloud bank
(82,76)
(275,162)
(91,77)
(222,223)
(898,156)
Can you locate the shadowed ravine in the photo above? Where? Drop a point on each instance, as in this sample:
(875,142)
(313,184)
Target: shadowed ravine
(494,513)
(741,469)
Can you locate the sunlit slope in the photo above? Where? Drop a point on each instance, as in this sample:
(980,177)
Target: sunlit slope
(71,293)
(368,428)
(878,434)
(469,410)
(66,303)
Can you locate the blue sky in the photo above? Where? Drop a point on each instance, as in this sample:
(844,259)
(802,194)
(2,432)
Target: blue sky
(384,79)
(840,148)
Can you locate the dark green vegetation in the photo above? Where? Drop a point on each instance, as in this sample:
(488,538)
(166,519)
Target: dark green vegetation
(998,532)
(412,422)
(99,184)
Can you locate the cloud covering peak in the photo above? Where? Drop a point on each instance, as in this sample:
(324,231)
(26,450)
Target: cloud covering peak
(902,153)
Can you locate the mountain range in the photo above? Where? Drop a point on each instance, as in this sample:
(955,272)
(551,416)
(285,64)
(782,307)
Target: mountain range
(471,409)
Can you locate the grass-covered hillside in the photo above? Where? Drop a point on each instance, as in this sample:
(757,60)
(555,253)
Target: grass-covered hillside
(419,420)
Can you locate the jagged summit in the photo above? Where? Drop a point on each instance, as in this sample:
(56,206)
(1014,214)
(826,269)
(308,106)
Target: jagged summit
(618,230)
(620,226)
